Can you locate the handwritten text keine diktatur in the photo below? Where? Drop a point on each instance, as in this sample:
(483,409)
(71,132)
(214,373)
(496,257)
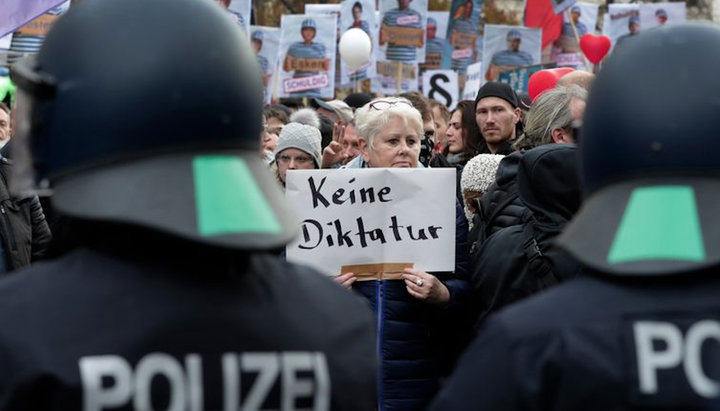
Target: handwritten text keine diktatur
(353,232)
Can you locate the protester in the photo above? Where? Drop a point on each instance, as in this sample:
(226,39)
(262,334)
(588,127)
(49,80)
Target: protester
(24,231)
(337,110)
(305,116)
(298,148)
(638,330)
(418,315)
(341,152)
(169,300)
(497,115)
(477,176)
(427,142)
(441,118)
(554,118)
(276,117)
(577,77)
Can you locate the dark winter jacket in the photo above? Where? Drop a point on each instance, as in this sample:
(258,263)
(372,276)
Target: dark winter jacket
(418,342)
(508,267)
(24,232)
(501,205)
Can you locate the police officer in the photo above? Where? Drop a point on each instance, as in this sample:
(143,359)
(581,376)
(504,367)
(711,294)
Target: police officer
(641,329)
(147,135)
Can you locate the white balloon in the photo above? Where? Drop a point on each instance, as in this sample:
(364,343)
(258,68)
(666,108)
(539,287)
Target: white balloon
(355,47)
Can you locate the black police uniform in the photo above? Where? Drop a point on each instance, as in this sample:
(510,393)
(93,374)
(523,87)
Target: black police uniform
(641,329)
(144,120)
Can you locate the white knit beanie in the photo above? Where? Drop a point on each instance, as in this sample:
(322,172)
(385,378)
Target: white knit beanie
(480,172)
(302,137)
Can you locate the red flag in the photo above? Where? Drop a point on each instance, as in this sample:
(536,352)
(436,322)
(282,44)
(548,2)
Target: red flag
(540,14)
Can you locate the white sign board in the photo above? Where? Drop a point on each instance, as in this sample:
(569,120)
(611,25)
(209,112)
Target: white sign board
(373,215)
(442,86)
(472,81)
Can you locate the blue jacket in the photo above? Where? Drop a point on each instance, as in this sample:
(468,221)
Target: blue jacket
(417,342)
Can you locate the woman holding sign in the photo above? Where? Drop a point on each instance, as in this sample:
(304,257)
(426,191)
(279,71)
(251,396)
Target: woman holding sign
(417,312)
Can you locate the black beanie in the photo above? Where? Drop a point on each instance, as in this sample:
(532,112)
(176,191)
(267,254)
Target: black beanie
(497,89)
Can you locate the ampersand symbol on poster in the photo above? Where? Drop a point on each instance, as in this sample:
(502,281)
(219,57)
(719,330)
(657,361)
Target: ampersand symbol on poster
(441,85)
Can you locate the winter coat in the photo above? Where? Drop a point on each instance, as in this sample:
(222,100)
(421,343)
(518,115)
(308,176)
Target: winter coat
(417,342)
(24,232)
(522,260)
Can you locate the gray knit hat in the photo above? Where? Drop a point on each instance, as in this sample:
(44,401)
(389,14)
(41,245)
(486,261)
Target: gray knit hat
(302,137)
(480,172)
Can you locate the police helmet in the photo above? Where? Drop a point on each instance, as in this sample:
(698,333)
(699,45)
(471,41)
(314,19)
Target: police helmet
(148,113)
(649,163)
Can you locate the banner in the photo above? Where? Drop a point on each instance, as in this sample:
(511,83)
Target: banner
(656,14)
(15,13)
(442,86)
(373,216)
(387,76)
(307,50)
(509,47)
(518,78)
(240,11)
(584,17)
(359,14)
(472,81)
(265,42)
(402,30)
(462,35)
(435,44)
(622,21)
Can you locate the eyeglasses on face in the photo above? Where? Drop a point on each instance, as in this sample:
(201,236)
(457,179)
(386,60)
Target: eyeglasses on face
(285,159)
(381,105)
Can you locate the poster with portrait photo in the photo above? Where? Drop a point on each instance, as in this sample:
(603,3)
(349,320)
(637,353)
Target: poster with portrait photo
(657,14)
(333,10)
(265,42)
(239,12)
(462,35)
(584,17)
(622,21)
(359,14)
(509,47)
(402,30)
(307,56)
(437,23)
(386,80)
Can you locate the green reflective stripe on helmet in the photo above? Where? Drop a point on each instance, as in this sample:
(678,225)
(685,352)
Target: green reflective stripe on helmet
(228,199)
(660,223)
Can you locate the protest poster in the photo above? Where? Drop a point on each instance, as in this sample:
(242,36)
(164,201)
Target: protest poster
(657,14)
(387,77)
(584,17)
(373,216)
(509,47)
(332,10)
(472,81)
(435,45)
(359,14)
(462,35)
(560,6)
(265,42)
(16,13)
(442,86)
(518,78)
(307,51)
(402,30)
(622,21)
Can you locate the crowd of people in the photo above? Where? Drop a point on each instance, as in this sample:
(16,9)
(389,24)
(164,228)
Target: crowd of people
(165,284)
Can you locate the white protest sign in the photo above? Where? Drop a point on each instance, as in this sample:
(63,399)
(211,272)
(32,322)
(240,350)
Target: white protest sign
(472,81)
(373,215)
(442,85)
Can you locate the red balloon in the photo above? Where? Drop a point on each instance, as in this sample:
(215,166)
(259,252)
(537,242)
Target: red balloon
(594,47)
(540,81)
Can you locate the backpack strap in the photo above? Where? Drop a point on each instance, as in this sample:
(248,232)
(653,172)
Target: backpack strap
(537,262)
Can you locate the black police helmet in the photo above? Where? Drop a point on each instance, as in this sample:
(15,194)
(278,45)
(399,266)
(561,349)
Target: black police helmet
(649,159)
(149,113)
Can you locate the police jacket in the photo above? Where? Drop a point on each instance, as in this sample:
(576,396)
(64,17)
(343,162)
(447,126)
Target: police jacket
(24,232)
(597,343)
(142,322)
(522,260)
(418,342)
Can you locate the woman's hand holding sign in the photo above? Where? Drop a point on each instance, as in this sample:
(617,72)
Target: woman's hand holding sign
(425,287)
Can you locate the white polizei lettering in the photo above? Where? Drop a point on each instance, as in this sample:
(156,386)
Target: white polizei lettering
(194,383)
(292,386)
(322,381)
(694,339)
(93,369)
(650,360)
(268,367)
(231,382)
(158,364)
